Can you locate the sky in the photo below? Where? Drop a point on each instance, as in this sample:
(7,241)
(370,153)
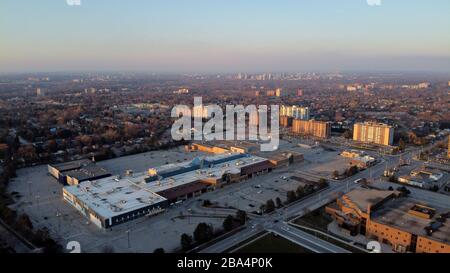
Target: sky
(224,35)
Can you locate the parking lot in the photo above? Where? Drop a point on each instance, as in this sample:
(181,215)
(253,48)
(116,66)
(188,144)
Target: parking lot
(250,195)
(40,196)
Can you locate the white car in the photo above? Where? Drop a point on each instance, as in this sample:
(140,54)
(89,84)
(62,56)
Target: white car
(357,181)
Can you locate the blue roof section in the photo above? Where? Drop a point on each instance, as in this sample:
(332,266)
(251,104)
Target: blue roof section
(209,162)
(196,164)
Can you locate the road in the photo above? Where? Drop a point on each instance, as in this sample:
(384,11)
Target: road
(276,222)
(305,239)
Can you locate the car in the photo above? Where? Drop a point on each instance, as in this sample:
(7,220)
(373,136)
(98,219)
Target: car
(357,181)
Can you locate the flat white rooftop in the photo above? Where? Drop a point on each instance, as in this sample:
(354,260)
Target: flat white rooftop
(114,196)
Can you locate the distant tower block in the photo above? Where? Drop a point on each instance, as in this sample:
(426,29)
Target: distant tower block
(300,92)
(39,92)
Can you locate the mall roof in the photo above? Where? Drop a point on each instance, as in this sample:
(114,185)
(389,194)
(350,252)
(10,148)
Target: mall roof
(114,196)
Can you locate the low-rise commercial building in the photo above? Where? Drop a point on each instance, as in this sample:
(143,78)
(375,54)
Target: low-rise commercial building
(392,219)
(114,200)
(74,172)
(90,172)
(245,147)
(202,147)
(284,158)
(424,178)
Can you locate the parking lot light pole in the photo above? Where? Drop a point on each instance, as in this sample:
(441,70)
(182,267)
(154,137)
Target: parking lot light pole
(128,237)
(29,189)
(37,199)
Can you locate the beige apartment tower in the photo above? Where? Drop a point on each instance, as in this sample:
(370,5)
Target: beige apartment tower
(376,133)
(314,128)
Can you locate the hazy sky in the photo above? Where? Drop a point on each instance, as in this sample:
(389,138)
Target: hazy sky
(224,35)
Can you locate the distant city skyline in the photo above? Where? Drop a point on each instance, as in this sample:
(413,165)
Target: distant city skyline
(221,36)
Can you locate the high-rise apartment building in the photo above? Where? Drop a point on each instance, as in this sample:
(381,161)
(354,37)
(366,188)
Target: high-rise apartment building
(314,128)
(376,133)
(279,92)
(296,112)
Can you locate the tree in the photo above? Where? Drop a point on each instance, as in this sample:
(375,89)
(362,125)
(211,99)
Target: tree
(336,174)
(203,233)
(24,223)
(403,190)
(300,191)
(228,223)
(401,145)
(111,135)
(291,197)
(206,203)
(348,134)
(270,206)
(186,241)
(308,189)
(278,202)
(323,183)
(108,249)
(351,171)
(393,179)
(159,251)
(241,216)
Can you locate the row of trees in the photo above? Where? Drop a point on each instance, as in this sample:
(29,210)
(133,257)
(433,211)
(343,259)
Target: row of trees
(352,170)
(205,232)
(21,223)
(303,191)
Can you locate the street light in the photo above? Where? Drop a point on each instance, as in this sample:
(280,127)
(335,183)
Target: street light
(37,199)
(29,189)
(128,237)
(58,215)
